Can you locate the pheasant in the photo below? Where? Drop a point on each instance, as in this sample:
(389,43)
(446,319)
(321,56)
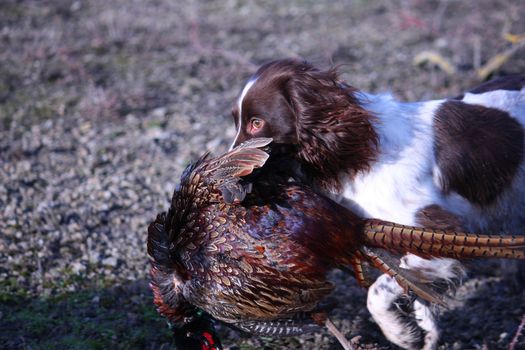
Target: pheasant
(252,247)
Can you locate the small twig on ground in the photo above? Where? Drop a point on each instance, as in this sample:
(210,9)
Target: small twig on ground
(516,337)
(438,16)
(497,61)
(340,336)
(435,58)
(477,52)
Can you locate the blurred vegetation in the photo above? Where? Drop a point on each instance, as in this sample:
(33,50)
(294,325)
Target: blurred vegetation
(87,319)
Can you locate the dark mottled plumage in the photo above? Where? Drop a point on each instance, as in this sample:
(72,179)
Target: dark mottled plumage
(259,260)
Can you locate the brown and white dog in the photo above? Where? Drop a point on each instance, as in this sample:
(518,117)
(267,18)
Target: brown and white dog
(455,162)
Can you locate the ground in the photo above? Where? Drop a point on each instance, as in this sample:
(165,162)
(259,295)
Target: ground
(103,103)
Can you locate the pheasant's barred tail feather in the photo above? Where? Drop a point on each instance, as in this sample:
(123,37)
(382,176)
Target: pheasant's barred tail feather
(441,243)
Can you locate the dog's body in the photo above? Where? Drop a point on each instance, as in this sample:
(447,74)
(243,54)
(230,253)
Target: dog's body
(472,168)
(407,184)
(454,163)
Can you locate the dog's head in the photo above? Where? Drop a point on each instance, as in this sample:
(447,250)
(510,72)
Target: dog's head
(295,103)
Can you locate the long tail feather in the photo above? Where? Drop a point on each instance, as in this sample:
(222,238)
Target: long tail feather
(407,279)
(295,325)
(440,243)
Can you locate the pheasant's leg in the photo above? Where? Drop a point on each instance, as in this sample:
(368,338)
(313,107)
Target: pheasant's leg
(322,319)
(357,264)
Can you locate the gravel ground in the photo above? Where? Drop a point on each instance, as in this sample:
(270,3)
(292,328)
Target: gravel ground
(103,103)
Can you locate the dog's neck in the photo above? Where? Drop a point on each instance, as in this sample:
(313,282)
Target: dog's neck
(395,122)
(398,125)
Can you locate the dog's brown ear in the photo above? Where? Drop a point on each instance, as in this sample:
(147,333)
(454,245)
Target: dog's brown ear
(335,132)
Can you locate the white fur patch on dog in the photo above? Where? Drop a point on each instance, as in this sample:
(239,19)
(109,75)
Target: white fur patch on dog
(381,298)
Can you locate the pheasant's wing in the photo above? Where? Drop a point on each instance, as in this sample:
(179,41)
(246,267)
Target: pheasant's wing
(225,171)
(266,294)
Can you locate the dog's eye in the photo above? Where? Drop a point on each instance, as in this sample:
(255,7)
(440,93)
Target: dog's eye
(257,123)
